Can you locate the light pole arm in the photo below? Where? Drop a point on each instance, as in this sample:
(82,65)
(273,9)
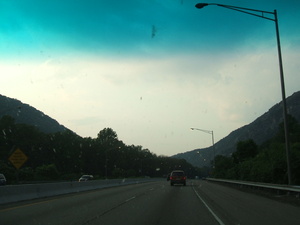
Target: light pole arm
(206,131)
(249,11)
(253,12)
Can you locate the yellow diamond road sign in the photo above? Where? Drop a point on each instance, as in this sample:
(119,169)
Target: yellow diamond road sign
(18,158)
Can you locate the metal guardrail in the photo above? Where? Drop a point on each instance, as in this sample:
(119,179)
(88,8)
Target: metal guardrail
(278,187)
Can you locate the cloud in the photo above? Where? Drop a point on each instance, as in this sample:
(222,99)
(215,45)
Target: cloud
(91,65)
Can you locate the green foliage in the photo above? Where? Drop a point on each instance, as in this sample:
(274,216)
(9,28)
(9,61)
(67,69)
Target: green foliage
(222,165)
(130,173)
(294,130)
(295,161)
(118,173)
(48,172)
(8,170)
(26,174)
(266,163)
(65,155)
(245,150)
(107,137)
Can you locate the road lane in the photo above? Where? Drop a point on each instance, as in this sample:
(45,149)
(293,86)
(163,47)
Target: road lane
(151,203)
(200,202)
(160,206)
(69,209)
(234,206)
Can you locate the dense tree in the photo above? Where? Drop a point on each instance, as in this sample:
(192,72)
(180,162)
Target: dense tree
(66,148)
(48,172)
(222,165)
(265,163)
(7,136)
(295,161)
(65,155)
(107,137)
(245,150)
(293,128)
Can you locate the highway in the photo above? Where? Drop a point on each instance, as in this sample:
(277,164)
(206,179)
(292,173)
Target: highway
(154,203)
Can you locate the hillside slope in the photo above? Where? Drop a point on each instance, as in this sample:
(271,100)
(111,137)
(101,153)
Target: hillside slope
(260,130)
(24,113)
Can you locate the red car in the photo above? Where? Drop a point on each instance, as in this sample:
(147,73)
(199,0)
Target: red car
(177,177)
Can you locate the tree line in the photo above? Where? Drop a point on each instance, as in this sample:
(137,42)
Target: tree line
(66,156)
(263,163)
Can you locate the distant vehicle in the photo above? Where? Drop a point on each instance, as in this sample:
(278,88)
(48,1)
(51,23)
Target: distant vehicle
(177,177)
(2,179)
(86,178)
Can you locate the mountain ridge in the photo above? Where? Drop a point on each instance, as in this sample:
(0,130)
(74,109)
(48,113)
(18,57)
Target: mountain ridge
(26,114)
(260,130)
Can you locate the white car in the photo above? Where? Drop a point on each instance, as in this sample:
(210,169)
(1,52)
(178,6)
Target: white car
(2,179)
(86,178)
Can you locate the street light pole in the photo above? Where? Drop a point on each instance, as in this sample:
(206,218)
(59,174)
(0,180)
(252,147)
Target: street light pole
(262,14)
(212,137)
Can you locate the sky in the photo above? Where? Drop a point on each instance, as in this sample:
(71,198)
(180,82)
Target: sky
(148,69)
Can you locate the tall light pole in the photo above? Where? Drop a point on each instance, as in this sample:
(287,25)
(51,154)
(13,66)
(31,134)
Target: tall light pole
(212,138)
(266,15)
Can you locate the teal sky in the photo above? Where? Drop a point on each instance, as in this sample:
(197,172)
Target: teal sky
(136,26)
(149,69)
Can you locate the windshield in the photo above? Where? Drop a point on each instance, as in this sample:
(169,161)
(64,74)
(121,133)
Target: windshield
(110,99)
(178,174)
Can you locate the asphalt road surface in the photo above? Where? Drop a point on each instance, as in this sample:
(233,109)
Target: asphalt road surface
(155,203)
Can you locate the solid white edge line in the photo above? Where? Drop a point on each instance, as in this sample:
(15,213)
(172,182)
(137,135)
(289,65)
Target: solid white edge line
(209,209)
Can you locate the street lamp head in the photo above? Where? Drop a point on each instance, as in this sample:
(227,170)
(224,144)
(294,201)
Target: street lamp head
(201,5)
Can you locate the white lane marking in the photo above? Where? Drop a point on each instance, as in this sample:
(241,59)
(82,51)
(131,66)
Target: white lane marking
(130,199)
(209,209)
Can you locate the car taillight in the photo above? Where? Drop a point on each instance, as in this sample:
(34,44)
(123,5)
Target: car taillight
(171,178)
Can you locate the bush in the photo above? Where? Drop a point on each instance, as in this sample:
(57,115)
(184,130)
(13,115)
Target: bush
(130,173)
(47,172)
(26,174)
(118,173)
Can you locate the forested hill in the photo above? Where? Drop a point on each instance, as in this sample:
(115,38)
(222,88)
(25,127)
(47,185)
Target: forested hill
(26,114)
(260,130)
